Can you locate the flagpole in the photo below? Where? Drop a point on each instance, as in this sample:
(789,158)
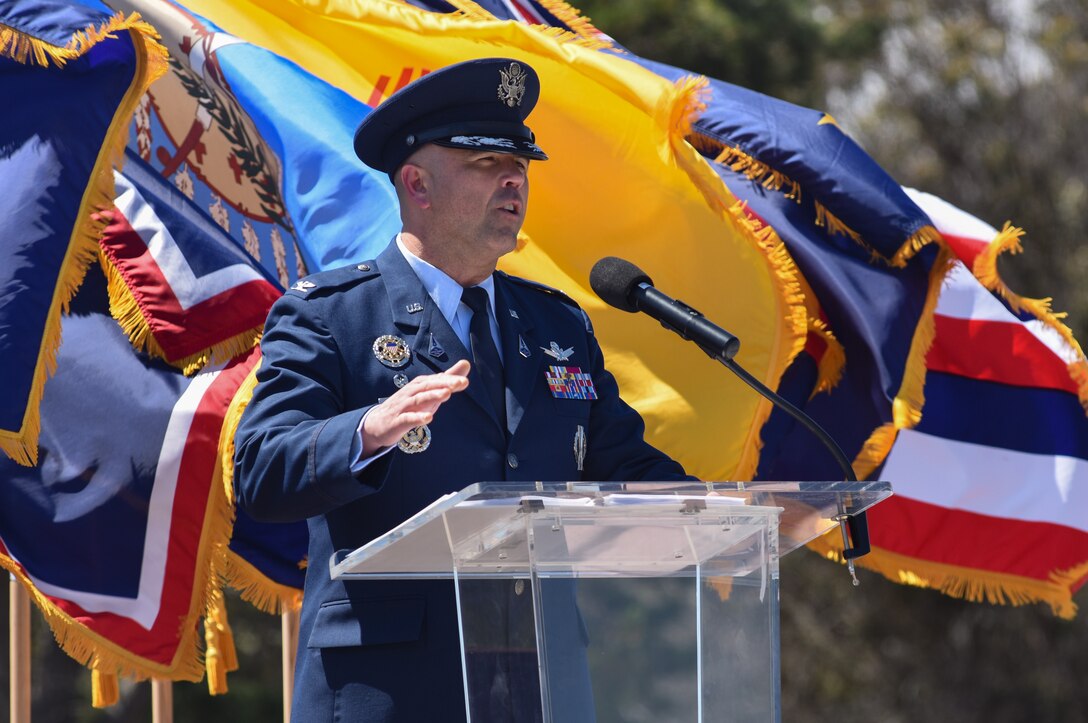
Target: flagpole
(289,634)
(162,701)
(19,651)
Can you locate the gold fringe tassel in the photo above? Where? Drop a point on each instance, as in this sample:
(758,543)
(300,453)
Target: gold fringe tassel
(962,582)
(688,104)
(470,10)
(220,656)
(104,689)
(256,589)
(1078,372)
(575,20)
(127,312)
(22,446)
(741,162)
(915,243)
(99,654)
(830,369)
(908,402)
(229,568)
(985,270)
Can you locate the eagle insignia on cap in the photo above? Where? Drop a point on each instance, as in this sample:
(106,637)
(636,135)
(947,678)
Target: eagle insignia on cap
(512,84)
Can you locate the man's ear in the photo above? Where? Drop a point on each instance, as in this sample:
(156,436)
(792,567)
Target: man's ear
(417,184)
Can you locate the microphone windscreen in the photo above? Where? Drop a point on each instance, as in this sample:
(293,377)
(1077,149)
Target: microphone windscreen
(614,280)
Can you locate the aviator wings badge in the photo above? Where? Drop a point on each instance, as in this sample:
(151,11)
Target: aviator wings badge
(558,353)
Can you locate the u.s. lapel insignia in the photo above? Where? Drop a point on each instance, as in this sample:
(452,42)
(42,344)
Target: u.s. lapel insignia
(391,351)
(414,308)
(570,383)
(302,285)
(399,380)
(523,348)
(512,84)
(435,349)
(579,446)
(557,352)
(415,440)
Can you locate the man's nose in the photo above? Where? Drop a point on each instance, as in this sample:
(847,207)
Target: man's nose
(514,175)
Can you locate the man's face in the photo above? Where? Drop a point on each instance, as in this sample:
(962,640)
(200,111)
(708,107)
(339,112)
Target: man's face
(478,198)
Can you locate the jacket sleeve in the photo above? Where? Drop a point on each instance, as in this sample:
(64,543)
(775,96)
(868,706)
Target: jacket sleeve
(616,448)
(293,446)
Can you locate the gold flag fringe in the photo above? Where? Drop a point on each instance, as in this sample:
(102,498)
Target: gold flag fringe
(686,106)
(985,270)
(915,243)
(965,583)
(22,446)
(774,180)
(470,10)
(220,656)
(830,369)
(99,654)
(126,310)
(908,402)
(255,588)
(575,20)
(104,689)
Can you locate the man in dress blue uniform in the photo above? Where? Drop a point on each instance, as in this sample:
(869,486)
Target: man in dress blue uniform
(388,383)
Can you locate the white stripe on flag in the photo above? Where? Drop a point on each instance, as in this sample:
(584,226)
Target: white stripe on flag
(187,287)
(989,480)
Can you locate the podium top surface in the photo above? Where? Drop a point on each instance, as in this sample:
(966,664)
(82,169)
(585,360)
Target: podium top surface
(607,528)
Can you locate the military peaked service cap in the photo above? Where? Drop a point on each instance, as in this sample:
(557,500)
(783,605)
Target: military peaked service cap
(479,104)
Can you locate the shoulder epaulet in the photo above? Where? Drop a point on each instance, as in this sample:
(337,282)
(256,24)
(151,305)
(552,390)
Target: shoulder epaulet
(333,279)
(537,286)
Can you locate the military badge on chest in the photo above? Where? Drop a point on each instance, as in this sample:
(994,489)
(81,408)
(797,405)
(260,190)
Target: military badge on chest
(570,383)
(392,351)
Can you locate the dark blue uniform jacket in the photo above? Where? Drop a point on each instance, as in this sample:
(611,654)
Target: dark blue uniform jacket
(384,650)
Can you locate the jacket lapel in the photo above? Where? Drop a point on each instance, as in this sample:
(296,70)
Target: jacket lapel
(521,353)
(432,340)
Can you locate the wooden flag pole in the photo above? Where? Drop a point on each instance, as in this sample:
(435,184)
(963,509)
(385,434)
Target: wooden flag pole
(19,651)
(289,634)
(162,701)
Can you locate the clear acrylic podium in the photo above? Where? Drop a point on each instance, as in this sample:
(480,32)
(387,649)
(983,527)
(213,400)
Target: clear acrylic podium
(615,601)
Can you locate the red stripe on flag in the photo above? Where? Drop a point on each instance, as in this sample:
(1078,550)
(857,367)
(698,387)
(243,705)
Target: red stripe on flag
(998,545)
(967,249)
(998,352)
(182,332)
(379,91)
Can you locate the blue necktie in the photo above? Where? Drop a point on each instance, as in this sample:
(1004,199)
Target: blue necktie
(486,363)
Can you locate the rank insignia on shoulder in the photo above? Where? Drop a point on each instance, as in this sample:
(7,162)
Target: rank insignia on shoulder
(391,351)
(557,352)
(302,285)
(415,440)
(570,383)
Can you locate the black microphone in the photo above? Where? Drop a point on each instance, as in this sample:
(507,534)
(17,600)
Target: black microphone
(625,286)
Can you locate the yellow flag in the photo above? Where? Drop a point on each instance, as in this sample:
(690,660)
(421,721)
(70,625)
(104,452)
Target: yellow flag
(621,181)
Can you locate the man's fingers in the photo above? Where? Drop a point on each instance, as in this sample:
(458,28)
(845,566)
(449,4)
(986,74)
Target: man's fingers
(460,369)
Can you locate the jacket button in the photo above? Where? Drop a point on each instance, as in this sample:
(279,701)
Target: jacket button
(519,587)
(363,267)
(512,460)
